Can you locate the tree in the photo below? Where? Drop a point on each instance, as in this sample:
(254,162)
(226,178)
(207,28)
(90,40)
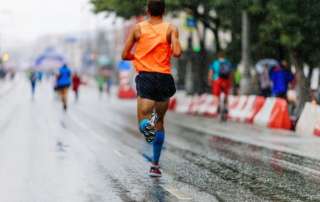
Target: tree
(280,29)
(202,10)
(296,24)
(125,9)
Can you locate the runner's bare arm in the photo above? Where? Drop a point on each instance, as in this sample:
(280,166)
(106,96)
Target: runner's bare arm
(175,42)
(132,38)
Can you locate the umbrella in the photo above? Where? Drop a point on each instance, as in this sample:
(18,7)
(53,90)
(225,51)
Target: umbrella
(270,62)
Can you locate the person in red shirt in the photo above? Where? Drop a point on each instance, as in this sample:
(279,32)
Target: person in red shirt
(76,82)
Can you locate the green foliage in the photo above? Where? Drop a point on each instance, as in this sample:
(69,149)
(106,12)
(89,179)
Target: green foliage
(297,25)
(276,25)
(123,8)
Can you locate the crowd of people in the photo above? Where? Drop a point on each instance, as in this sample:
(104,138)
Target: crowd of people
(275,79)
(65,80)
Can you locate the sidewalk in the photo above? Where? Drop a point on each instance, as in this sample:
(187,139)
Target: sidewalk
(276,140)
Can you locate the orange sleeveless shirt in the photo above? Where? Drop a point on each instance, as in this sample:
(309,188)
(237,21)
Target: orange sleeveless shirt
(153,52)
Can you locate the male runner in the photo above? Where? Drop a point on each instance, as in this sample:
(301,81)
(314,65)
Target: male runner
(220,79)
(155,41)
(63,83)
(33,81)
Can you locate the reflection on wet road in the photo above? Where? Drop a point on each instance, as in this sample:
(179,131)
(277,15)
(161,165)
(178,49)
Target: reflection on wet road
(94,153)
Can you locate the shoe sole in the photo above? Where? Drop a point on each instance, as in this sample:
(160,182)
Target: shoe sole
(155,175)
(150,138)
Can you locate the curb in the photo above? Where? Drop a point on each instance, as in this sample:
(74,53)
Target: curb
(311,163)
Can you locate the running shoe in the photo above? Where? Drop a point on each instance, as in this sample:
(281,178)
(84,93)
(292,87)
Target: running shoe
(155,171)
(150,133)
(149,130)
(154,119)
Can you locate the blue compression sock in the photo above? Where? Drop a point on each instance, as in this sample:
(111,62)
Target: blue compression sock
(143,124)
(157,146)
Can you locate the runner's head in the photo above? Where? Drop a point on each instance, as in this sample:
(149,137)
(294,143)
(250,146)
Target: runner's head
(221,55)
(156,8)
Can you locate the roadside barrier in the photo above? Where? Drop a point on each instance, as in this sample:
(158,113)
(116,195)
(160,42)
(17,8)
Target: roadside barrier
(209,107)
(173,104)
(274,114)
(317,129)
(183,104)
(235,113)
(197,102)
(254,110)
(247,112)
(309,121)
(271,112)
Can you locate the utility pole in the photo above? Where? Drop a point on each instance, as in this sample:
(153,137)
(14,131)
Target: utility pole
(245,65)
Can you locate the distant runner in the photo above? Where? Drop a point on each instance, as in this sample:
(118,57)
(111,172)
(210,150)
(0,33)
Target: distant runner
(109,82)
(100,83)
(155,41)
(63,83)
(33,81)
(76,82)
(220,79)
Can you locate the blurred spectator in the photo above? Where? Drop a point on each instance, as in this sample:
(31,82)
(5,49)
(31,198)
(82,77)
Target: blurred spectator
(281,76)
(40,76)
(100,83)
(3,73)
(108,81)
(265,82)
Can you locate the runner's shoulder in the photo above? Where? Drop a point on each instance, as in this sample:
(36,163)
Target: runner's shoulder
(136,31)
(172,27)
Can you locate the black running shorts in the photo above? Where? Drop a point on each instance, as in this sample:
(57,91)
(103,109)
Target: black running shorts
(155,86)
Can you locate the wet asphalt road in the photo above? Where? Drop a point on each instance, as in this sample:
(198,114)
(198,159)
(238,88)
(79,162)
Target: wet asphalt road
(93,153)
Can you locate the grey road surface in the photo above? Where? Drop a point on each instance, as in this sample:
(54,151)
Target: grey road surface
(94,153)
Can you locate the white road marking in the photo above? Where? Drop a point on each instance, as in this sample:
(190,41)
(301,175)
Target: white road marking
(176,193)
(118,153)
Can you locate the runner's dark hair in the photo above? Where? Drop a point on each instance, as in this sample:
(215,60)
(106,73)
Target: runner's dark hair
(156,7)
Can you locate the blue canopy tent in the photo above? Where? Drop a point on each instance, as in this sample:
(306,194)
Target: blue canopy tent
(49,59)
